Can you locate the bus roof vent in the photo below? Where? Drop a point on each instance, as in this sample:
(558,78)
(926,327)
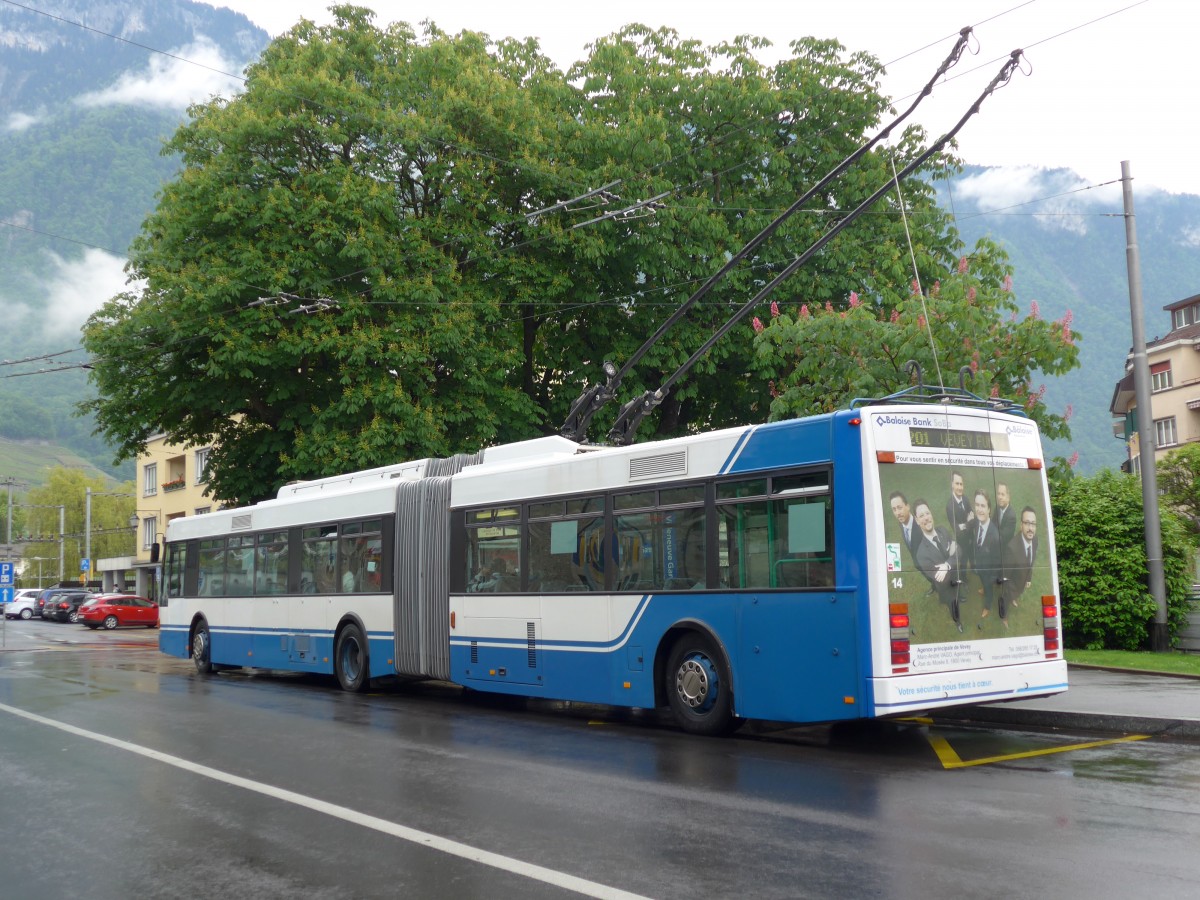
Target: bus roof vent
(240,523)
(658,466)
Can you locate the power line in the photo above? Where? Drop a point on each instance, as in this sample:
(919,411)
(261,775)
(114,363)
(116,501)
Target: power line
(498,250)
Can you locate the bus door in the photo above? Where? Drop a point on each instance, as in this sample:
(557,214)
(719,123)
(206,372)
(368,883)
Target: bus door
(798,636)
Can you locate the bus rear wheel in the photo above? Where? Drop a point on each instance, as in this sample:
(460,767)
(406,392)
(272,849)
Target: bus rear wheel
(351,661)
(698,687)
(202,649)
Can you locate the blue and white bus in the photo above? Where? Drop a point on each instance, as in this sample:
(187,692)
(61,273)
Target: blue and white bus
(875,561)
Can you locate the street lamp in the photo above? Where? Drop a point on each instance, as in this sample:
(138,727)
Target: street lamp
(39,562)
(135,519)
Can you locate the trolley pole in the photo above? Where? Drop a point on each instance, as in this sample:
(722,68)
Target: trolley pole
(1147,444)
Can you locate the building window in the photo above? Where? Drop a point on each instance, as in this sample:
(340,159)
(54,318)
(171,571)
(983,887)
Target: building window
(1164,432)
(150,480)
(1160,376)
(203,510)
(1182,317)
(149,531)
(202,465)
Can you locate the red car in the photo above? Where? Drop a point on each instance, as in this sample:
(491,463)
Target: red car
(111,610)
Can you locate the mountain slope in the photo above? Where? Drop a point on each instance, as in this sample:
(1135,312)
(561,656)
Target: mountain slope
(1069,254)
(83,115)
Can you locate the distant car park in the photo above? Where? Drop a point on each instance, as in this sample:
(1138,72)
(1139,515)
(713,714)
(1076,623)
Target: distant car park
(113,610)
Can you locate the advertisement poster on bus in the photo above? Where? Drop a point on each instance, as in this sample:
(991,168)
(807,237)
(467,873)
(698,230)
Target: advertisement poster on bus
(965,543)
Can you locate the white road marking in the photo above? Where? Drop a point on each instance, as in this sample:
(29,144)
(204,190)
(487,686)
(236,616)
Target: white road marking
(432,841)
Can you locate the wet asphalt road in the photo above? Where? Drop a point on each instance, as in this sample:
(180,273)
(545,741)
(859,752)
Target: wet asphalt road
(170,784)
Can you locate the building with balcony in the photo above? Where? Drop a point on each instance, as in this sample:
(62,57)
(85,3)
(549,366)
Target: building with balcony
(1174,384)
(171,482)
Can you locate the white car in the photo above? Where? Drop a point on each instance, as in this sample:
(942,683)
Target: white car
(23,604)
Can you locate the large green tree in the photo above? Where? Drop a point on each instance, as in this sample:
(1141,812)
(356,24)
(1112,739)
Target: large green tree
(417,182)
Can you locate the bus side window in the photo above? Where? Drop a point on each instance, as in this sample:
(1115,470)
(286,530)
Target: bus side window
(494,550)
(803,556)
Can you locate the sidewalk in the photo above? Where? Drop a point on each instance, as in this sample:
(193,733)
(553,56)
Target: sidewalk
(1104,700)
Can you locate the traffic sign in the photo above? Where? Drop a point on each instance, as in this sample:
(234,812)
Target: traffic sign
(6,573)
(84,565)
(6,594)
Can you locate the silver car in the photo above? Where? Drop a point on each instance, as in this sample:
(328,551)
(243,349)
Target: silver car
(23,604)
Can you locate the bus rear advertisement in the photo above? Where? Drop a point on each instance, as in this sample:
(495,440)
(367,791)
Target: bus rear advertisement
(874,561)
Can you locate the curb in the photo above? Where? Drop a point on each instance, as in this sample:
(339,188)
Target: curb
(1043,718)
(1124,671)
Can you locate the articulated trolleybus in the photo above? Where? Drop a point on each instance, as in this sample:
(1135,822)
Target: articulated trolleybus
(876,561)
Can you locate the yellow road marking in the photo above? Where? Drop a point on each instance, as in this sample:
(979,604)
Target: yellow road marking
(951,760)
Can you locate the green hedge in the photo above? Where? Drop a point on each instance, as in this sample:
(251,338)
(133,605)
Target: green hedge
(1101,542)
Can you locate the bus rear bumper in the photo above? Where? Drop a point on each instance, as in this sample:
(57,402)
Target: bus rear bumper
(906,694)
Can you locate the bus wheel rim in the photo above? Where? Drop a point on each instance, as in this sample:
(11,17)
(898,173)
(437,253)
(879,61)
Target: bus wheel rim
(697,683)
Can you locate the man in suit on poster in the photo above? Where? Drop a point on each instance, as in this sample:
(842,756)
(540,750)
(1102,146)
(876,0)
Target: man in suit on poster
(937,558)
(909,529)
(958,512)
(984,553)
(1005,516)
(1019,556)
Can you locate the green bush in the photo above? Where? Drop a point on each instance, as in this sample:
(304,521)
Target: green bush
(1100,535)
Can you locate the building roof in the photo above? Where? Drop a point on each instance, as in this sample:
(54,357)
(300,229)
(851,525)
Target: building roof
(1180,304)
(1186,333)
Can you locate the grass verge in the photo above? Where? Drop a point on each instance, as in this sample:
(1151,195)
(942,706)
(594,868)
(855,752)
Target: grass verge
(1172,663)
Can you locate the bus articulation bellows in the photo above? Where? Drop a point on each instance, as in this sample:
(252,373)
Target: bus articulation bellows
(874,561)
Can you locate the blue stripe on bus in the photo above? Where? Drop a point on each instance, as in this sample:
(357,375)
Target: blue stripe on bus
(737,448)
(590,646)
(263,648)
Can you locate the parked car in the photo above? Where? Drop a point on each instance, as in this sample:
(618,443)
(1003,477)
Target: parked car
(22,605)
(111,610)
(63,606)
(46,594)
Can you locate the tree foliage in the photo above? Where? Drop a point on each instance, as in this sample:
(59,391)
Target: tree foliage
(110,534)
(1100,534)
(424,184)
(1179,481)
(821,356)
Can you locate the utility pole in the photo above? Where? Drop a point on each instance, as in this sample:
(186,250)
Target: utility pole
(1147,441)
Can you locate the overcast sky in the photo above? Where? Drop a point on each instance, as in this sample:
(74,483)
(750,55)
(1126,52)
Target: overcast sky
(1111,79)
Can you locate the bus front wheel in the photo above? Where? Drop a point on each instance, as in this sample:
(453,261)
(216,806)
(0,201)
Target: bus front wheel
(202,649)
(698,687)
(351,662)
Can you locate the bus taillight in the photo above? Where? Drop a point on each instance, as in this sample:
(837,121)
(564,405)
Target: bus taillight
(898,619)
(1050,634)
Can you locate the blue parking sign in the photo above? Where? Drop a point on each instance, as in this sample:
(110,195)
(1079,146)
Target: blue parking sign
(6,573)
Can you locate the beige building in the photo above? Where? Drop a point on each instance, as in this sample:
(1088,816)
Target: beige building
(171,482)
(1174,383)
